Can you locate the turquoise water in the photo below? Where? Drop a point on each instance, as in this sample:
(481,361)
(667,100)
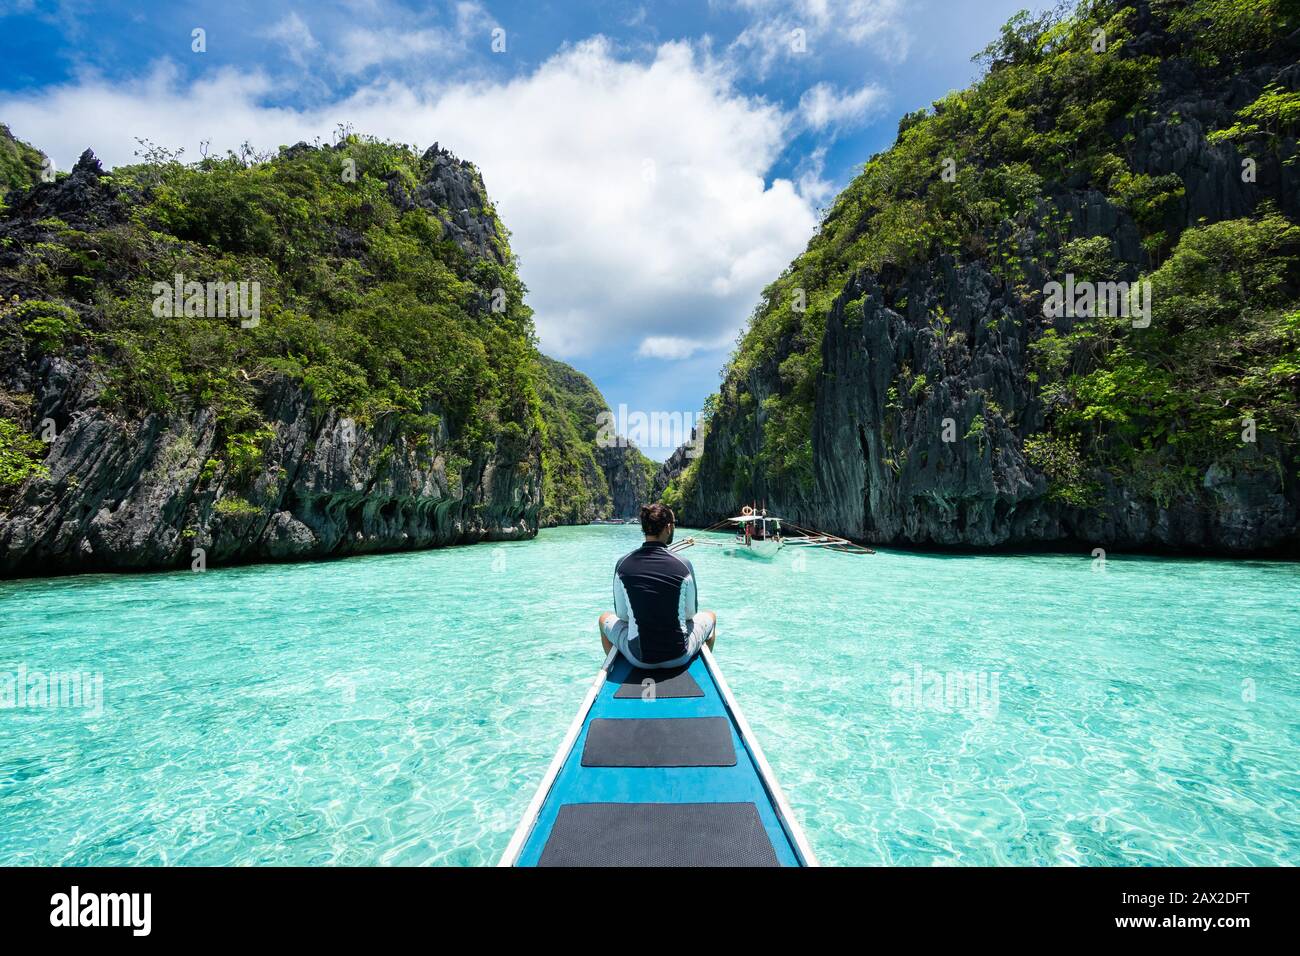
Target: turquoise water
(401,709)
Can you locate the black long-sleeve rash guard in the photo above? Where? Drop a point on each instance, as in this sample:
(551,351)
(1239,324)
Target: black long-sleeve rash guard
(654,591)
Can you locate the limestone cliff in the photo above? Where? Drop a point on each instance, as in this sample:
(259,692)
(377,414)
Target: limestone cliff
(922,396)
(383,400)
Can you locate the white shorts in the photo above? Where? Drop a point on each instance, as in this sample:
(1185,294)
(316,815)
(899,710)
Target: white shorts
(616,632)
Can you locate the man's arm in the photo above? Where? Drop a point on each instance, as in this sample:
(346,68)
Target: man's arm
(692,603)
(620,598)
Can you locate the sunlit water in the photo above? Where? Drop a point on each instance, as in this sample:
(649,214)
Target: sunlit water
(401,709)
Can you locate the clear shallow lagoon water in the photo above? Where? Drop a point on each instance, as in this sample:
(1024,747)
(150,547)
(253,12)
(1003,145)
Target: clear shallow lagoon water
(401,709)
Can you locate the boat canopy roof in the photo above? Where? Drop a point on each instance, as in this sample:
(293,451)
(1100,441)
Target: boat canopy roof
(741,519)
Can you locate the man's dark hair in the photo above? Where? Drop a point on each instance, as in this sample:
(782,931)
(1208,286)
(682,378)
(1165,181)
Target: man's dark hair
(656,517)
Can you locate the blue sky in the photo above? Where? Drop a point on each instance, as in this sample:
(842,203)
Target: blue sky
(657,163)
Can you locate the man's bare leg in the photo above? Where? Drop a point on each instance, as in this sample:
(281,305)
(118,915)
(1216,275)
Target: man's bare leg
(600,626)
(713,634)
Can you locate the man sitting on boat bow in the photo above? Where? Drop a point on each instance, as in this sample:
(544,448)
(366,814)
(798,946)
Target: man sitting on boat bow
(655,622)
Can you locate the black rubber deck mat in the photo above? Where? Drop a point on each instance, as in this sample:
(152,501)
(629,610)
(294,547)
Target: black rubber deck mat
(659,742)
(669,683)
(658,834)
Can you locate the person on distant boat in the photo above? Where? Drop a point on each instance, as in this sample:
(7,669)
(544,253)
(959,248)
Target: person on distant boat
(655,622)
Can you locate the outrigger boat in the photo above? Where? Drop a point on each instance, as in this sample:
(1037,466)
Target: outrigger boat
(758,534)
(659,768)
(761,535)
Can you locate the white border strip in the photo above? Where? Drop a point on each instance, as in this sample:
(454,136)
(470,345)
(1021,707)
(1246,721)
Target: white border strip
(783,811)
(511,856)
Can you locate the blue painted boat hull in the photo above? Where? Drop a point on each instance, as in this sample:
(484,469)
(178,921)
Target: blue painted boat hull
(570,783)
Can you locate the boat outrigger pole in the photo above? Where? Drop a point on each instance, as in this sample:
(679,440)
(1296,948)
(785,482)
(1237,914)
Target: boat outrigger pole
(763,535)
(823,539)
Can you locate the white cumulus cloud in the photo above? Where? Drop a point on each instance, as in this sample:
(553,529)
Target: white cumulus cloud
(810,180)
(823,106)
(293,33)
(675,347)
(782,31)
(362,48)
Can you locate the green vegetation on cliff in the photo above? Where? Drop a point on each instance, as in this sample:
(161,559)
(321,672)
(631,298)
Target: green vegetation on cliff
(1159,405)
(572,475)
(20,455)
(20,164)
(576,483)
